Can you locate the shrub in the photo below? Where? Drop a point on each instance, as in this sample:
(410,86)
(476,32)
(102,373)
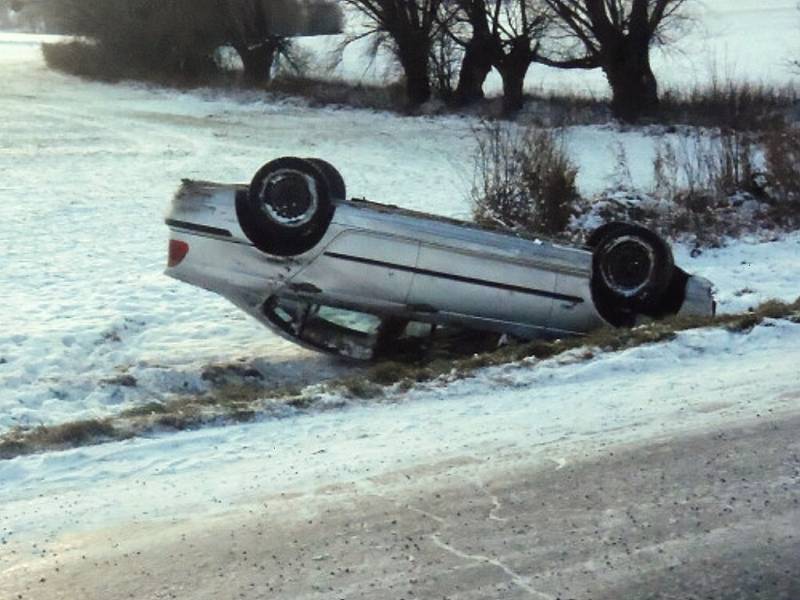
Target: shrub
(523,179)
(708,184)
(782,157)
(728,103)
(82,59)
(705,166)
(445,59)
(137,39)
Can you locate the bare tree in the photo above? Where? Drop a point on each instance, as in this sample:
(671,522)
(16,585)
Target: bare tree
(411,26)
(259,30)
(616,36)
(504,34)
(468,26)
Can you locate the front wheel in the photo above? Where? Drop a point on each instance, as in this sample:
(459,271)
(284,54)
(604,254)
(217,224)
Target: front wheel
(287,208)
(632,267)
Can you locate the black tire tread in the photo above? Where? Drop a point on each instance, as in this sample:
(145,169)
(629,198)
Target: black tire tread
(618,310)
(272,238)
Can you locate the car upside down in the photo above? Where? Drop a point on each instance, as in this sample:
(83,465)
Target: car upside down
(352,277)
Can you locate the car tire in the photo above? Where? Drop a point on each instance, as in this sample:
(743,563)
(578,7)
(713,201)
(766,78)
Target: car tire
(632,267)
(335,180)
(287,208)
(606,229)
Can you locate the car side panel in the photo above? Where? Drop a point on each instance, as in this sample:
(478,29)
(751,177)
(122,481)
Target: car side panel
(363,265)
(486,286)
(568,313)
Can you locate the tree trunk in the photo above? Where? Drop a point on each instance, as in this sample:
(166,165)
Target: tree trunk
(512,68)
(475,67)
(257,61)
(414,55)
(633,85)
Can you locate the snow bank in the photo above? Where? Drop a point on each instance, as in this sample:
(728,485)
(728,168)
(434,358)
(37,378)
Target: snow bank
(553,413)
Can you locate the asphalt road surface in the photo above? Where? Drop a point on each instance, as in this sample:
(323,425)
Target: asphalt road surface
(710,516)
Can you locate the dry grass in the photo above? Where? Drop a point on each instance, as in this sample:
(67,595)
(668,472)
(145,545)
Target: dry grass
(609,339)
(709,186)
(728,103)
(237,403)
(782,155)
(326,92)
(58,437)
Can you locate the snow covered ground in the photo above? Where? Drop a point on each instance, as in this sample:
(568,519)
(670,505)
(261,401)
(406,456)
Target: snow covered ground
(87,170)
(561,409)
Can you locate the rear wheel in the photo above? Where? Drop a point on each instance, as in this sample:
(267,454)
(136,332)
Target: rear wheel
(632,267)
(287,208)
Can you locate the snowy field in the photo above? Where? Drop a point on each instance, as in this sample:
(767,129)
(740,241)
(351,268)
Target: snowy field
(87,171)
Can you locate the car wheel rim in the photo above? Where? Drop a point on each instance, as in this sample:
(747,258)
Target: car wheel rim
(289,198)
(627,266)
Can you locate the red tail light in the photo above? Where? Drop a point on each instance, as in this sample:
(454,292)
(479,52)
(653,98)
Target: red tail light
(177,252)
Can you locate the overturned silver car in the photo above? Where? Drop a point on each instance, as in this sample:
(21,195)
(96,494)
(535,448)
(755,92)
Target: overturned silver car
(353,277)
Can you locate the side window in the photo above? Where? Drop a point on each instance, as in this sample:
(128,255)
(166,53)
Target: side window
(350,319)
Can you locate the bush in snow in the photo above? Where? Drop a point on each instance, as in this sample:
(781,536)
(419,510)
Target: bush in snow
(709,184)
(136,38)
(782,157)
(523,179)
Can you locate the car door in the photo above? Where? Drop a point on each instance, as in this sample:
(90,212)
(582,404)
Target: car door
(362,268)
(482,284)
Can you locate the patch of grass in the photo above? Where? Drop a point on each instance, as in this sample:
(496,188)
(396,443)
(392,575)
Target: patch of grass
(56,437)
(223,374)
(331,92)
(151,408)
(729,104)
(123,380)
(358,387)
(523,180)
(11,448)
(608,339)
(782,155)
(232,394)
(177,421)
(390,372)
(241,403)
